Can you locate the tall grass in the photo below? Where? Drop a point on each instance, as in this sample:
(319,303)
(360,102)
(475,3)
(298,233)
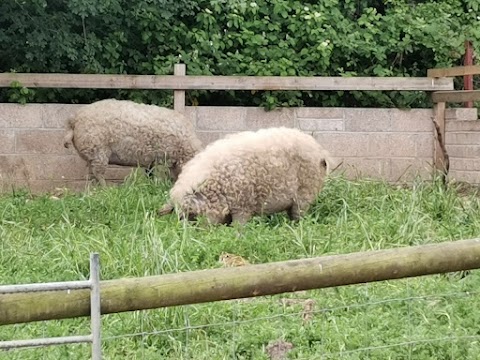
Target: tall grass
(44,238)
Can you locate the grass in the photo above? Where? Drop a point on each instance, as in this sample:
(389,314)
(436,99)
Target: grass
(45,239)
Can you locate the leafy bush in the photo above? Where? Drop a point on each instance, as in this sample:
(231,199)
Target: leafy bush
(223,37)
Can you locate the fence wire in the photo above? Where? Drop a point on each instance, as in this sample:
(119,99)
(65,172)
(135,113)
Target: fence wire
(238,305)
(185,339)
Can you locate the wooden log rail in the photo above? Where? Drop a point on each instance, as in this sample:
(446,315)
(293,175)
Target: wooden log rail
(234,283)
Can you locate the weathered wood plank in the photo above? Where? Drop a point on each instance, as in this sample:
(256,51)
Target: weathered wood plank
(172,82)
(454,71)
(247,281)
(456,96)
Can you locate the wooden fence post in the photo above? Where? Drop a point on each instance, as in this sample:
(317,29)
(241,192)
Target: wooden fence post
(179,95)
(441,160)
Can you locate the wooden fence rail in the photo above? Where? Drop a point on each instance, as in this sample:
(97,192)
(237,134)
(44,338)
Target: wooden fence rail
(241,282)
(454,71)
(455,95)
(180,82)
(190,82)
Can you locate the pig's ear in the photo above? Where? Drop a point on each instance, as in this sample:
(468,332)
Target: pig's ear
(199,196)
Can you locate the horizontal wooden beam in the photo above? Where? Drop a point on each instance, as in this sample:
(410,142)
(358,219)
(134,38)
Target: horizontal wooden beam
(454,71)
(456,96)
(247,281)
(172,82)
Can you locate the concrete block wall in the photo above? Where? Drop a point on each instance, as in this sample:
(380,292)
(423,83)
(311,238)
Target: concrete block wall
(389,144)
(462,140)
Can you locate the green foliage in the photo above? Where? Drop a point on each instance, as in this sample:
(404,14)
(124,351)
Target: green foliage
(431,317)
(222,37)
(20,94)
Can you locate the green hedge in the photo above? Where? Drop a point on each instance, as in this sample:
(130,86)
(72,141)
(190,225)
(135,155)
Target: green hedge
(235,37)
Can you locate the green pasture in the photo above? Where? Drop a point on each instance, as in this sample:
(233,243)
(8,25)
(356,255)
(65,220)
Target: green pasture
(49,238)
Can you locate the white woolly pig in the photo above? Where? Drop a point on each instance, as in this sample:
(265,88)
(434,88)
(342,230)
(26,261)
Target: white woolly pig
(251,173)
(122,132)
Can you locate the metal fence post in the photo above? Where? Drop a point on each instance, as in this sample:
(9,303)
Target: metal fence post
(95,306)
(95,310)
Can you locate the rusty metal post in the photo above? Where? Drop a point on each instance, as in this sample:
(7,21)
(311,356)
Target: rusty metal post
(468,79)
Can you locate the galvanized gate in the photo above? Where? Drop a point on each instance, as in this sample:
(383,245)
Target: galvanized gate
(95,314)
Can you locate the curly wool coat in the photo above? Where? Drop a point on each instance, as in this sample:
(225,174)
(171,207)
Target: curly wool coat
(251,173)
(122,132)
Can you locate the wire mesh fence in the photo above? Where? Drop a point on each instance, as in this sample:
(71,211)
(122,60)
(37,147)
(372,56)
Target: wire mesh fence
(424,329)
(402,319)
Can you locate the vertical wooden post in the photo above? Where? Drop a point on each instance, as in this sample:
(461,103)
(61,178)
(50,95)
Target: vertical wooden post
(179,95)
(468,79)
(440,153)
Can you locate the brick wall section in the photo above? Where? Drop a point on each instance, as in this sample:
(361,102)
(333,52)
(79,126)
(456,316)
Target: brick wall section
(388,144)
